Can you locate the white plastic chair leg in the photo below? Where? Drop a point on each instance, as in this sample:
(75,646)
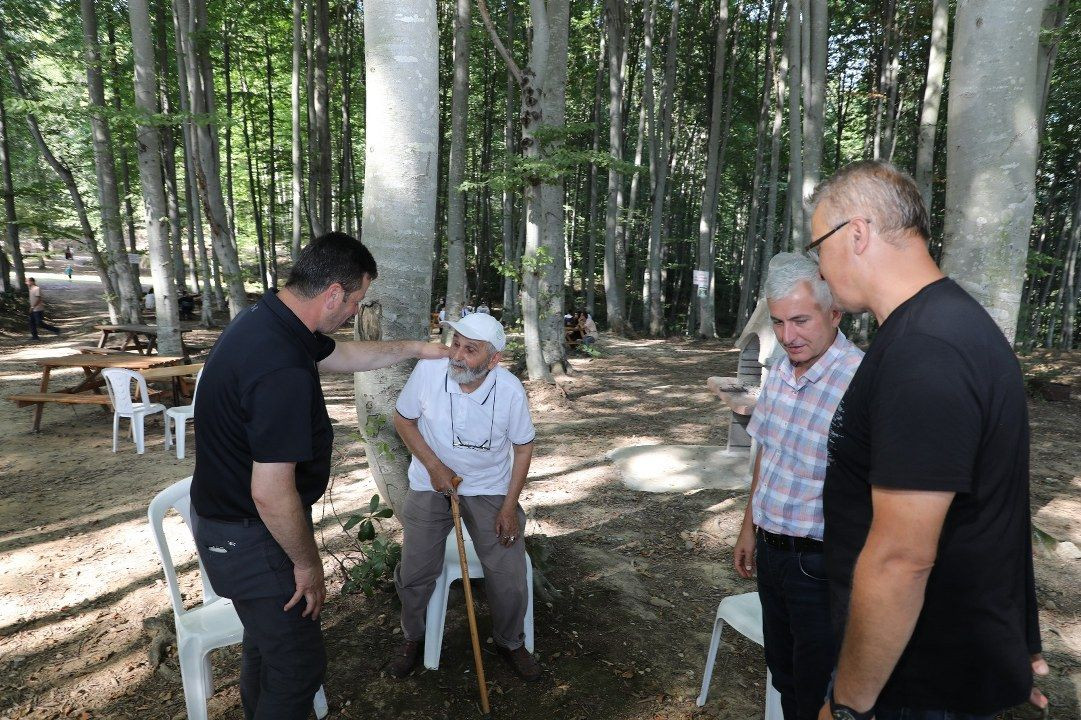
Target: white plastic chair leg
(116,430)
(320,703)
(137,428)
(434,622)
(193,676)
(168,431)
(773,700)
(181,431)
(529,605)
(711,658)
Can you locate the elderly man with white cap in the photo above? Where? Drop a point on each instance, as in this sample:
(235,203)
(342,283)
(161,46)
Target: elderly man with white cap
(466,416)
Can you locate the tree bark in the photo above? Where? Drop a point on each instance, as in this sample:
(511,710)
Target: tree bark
(402,141)
(125,169)
(815,106)
(168,154)
(707,221)
(150,178)
(992,130)
(795,131)
(660,191)
(932,100)
(1054,15)
(510,246)
(104,164)
(323,200)
(11,223)
(613,229)
(272,177)
(456,199)
(590,275)
(294,96)
(190,21)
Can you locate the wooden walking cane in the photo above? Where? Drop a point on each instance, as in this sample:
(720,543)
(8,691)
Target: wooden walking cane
(456,514)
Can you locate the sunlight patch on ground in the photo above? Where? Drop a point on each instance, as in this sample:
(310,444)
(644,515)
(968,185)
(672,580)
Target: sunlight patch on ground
(52,349)
(679,468)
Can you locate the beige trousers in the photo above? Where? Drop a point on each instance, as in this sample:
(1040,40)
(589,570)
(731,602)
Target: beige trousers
(426,520)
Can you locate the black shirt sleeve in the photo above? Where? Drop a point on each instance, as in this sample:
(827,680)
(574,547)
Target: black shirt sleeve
(278,416)
(926,418)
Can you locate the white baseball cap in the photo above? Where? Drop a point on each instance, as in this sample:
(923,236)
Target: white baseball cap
(480,326)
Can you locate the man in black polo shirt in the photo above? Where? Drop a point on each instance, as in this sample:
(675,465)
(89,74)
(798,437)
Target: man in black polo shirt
(263,446)
(926,501)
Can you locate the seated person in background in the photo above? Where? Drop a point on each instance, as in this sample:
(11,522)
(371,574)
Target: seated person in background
(186,305)
(466,417)
(572,331)
(783,523)
(587,328)
(483,308)
(148,300)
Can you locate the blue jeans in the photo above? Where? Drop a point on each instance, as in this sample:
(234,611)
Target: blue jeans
(37,320)
(796,627)
(910,714)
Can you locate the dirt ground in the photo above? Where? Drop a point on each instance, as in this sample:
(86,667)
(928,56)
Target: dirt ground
(84,614)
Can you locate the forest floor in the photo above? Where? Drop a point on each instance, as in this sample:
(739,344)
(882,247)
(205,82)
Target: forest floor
(84,613)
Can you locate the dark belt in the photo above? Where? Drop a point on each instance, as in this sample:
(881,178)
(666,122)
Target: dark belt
(243,522)
(787,542)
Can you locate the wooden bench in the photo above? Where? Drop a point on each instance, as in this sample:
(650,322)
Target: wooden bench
(64,398)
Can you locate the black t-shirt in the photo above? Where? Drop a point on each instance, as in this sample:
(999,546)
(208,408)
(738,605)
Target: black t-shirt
(939,404)
(259,400)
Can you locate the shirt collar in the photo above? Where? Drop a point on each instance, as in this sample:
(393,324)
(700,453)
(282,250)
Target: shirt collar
(480,395)
(287,317)
(821,366)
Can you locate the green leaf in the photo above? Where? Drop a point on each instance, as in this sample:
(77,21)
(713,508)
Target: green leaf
(374,504)
(367,531)
(352,521)
(384,512)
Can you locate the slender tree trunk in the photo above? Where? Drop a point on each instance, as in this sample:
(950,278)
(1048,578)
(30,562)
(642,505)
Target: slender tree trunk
(551,290)
(402,141)
(795,131)
(104,164)
(932,100)
(780,85)
(992,133)
(707,222)
(510,253)
(589,279)
(1069,270)
(191,25)
(656,311)
(1054,15)
(815,107)
(255,193)
(166,310)
(11,223)
(613,286)
(456,199)
(227,71)
(321,167)
(168,153)
(294,96)
(272,197)
(125,167)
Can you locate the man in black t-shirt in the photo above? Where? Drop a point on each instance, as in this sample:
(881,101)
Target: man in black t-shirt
(263,446)
(926,500)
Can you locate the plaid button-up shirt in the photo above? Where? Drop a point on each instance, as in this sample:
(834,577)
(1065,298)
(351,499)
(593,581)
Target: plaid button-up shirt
(791,423)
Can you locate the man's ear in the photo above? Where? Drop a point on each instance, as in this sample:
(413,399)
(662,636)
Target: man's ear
(495,360)
(861,235)
(333,296)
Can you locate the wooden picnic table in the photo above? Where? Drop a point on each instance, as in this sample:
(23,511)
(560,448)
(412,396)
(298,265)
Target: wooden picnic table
(132,333)
(172,373)
(88,391)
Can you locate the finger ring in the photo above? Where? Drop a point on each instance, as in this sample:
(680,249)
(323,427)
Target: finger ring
(512,537)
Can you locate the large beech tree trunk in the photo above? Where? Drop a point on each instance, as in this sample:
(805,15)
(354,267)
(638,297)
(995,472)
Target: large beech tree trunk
(991,134)
(401,53)
(11,223)
(104,164)
(150,177)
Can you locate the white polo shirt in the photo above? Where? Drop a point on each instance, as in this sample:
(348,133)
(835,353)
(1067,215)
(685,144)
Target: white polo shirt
(471,433)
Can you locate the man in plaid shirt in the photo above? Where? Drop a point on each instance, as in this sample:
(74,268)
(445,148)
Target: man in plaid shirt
(782,526)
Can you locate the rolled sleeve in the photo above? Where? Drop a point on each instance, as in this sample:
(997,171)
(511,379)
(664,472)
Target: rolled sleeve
(520,430)
(278,416)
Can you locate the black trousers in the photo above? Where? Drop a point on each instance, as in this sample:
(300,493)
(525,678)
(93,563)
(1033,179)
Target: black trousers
(37,320)
(284,658)
(796,627)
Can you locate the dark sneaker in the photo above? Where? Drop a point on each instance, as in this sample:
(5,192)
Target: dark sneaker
(521,662)
(404,659)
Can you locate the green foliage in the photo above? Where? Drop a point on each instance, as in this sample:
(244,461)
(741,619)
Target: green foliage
(374,556)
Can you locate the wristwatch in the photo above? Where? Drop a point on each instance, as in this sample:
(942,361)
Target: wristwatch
(843,712)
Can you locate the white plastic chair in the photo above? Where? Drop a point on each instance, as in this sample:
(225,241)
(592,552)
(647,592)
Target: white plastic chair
(437,605)
(179,416)
(118,384)
(744,614)
(211,625)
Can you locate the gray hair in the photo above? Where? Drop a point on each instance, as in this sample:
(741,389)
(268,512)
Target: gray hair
(788,270)
(877,191)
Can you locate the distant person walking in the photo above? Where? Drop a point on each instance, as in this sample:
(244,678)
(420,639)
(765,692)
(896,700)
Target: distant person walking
(69,271)
(37,311)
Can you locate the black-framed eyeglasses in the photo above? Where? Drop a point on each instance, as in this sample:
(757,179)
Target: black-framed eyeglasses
(810,247)
(457,441)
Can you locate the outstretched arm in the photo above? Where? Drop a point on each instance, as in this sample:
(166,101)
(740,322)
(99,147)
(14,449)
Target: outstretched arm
(360,355)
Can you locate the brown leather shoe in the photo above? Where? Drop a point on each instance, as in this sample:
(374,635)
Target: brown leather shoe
(404,659)
(521,662)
